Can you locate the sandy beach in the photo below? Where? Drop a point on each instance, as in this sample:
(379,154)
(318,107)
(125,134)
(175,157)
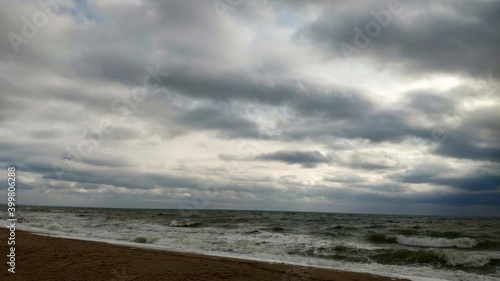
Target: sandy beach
(47,258)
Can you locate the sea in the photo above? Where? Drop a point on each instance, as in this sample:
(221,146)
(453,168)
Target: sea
(413,247)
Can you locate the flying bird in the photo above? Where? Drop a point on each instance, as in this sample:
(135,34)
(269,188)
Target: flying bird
(68,158)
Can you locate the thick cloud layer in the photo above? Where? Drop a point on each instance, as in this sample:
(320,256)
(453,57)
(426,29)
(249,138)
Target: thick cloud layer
(418,36)
(347,106)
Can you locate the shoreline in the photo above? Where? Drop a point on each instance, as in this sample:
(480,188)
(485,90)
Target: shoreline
(40,257)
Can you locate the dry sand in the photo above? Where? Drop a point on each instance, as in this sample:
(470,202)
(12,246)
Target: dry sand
(48,258)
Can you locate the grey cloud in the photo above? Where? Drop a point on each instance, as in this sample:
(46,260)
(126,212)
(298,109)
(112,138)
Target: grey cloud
(221,119)
(463,198)
(419,37)
(343,178)
(478,182)
(307,159)
(121,133)
(46,134)
(106,161)
(364,160)
(337,103)
(378,126)
(466,149)
(228,157)
(430,103)
(476,138)
(124,178)
(272,77)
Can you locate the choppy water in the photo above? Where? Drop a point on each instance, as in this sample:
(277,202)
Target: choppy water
(416,247)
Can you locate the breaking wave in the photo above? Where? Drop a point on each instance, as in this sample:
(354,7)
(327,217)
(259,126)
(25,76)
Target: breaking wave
(435,257)
(144,239)
(455,258)
(436,242)
(183,224)
(56,227)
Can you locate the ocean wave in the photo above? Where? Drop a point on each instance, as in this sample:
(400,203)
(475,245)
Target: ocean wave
(143,239)
(56,227)
(456,258)
(335,227)
(444,234)
(402,257)
(436,242)
(489,244)
(441,257)
(175,223)
(380,238)
(274,229)
(405,257)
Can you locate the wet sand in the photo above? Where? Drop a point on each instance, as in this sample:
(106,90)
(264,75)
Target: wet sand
(49,258)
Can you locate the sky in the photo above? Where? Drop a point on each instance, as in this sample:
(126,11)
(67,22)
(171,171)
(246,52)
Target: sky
(325,106)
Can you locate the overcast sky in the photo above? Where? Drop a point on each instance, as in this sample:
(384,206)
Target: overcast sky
(338,106)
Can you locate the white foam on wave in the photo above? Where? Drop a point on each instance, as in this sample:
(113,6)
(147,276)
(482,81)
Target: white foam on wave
(468,259)
(175,223)
(144,239)
(436,242)
(56,227)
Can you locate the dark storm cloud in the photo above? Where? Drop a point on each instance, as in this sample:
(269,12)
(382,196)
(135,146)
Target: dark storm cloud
(124,65)
(50,166)
(221,92)
(370,166)
(477,182)
(307,159)
(476,138)
(383,126)
(19,154)
(127,179)
(430,103)
(458,146)
(335,103)
(461,198)
(442,36)
(379,126)
(490,198)
(221,119)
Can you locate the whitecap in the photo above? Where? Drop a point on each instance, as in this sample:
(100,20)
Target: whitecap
(182,224)
(56,227)
(436,242)
(456,258)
